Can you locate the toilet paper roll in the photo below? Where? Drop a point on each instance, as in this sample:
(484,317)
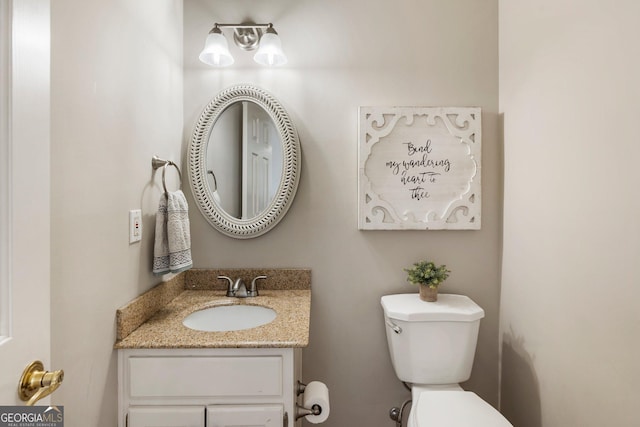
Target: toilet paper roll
(317,393)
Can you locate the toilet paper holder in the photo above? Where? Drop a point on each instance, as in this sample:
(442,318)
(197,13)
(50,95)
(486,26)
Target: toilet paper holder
(301,411)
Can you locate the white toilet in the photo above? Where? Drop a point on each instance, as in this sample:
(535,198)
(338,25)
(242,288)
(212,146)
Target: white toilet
(432,346)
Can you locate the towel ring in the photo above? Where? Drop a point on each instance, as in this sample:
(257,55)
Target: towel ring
(157,162)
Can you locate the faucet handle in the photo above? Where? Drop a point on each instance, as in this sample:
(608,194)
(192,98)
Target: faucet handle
(253,289)
(230,291)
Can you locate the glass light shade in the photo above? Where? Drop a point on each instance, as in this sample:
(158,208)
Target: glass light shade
(216,51)
(270,51)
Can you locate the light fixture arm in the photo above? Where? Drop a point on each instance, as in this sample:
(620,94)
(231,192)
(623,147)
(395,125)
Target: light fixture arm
(247,35)
(242,26)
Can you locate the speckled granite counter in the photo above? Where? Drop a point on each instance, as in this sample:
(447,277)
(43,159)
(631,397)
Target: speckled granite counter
(154,320)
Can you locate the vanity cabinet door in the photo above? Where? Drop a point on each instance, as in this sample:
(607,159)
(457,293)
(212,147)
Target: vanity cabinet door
(245,415)
(166,416)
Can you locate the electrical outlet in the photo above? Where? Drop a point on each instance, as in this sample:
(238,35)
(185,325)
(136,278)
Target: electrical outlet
(135,225)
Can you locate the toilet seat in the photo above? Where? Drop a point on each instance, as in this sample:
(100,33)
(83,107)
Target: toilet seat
(454,409)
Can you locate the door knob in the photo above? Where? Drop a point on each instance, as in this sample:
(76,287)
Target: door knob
(36,383)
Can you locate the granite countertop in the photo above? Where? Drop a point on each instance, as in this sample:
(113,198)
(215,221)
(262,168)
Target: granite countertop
(163,328)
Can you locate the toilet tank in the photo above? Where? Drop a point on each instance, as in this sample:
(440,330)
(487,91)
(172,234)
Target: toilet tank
(432,342)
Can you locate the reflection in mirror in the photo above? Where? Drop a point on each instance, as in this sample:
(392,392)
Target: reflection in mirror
(244,160)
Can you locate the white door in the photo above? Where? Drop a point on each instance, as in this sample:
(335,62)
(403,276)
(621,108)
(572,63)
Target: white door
(256,156)
(24,191)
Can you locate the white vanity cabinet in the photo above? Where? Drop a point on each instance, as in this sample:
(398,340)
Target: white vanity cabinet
(208,387)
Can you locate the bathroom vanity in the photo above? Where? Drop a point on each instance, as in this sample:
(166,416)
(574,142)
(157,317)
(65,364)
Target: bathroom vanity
(208,387)
(172,376)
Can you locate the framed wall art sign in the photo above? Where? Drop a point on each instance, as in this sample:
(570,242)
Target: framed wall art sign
(419,168)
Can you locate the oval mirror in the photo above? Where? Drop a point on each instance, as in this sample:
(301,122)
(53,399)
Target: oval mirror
(244,162)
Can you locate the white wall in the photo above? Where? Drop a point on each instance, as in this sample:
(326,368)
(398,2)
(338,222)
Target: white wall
(116,100)
(228,175)
(569,94)
(344,54)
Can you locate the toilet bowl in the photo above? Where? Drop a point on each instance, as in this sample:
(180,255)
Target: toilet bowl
(432,347)
(452,408)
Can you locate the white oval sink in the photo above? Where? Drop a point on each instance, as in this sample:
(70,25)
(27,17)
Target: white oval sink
(229,318)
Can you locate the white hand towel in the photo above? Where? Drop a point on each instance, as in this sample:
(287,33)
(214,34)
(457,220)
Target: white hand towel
(172,248)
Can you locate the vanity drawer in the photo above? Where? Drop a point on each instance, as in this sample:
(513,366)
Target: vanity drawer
(205,376)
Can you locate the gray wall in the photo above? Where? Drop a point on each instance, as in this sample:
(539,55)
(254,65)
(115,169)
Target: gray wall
(569,313)
(116,100)
(342,55)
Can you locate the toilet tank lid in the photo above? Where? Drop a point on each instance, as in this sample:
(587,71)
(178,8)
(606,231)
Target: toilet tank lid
(449,307)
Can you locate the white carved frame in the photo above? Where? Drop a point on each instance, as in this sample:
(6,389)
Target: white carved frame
(386,202)
(209,207)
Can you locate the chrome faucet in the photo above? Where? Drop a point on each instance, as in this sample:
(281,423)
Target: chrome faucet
(235,289)
(238,289)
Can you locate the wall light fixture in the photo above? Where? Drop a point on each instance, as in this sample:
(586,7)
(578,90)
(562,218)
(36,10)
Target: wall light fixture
(247,37)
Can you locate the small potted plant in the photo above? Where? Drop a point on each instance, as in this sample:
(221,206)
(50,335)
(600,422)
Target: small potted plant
(429,277)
